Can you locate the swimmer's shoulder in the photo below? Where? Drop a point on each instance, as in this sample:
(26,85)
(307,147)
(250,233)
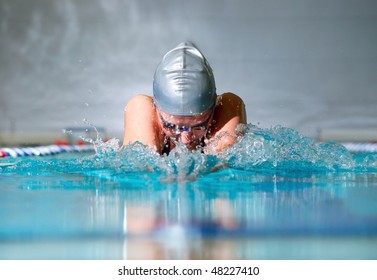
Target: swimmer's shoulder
(229,112)
(229,98)
(142,109)
(140,122)
(140,100)
(229,104)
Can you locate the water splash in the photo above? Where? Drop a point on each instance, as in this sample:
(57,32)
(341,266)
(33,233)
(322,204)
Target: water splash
(273,150)
(281,148)
(276,149)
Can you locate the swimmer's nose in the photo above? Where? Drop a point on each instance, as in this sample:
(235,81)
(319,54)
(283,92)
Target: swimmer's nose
(186,137)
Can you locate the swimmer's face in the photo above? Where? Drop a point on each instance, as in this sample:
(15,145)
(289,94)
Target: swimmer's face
(187,129)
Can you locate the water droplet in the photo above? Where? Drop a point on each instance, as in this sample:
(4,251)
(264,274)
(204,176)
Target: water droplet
(66,131)
(86,104)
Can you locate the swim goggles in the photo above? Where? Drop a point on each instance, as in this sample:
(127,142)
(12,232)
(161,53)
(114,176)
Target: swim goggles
(178,129)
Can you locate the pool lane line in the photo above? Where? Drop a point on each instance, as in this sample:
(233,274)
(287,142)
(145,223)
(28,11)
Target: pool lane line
(361,147)
(43,150)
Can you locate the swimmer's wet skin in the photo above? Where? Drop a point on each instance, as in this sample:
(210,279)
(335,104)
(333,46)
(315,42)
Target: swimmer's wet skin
(185,107)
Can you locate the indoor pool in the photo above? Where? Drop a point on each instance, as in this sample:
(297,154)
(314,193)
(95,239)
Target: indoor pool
(274,195)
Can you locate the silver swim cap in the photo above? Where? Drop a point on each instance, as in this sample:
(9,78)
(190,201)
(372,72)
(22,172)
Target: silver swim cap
(183,83)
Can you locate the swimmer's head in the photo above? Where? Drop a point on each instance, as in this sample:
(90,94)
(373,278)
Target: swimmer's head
(183,83)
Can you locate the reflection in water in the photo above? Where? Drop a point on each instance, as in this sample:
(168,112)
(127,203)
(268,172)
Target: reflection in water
(204,219)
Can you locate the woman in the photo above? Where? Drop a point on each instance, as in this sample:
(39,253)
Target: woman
(184,108)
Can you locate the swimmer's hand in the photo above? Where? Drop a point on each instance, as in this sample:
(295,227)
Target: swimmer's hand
(221,142)
(219,166)
(224,139)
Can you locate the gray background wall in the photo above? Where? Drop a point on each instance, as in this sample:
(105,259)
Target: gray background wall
(305,64)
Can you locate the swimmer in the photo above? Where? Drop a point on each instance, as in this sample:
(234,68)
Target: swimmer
(184,108)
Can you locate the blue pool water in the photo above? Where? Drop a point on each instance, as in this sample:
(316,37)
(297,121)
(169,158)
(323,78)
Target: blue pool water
(275,195)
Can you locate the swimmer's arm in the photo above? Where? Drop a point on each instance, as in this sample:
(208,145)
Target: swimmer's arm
(229,113)
(140,123)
